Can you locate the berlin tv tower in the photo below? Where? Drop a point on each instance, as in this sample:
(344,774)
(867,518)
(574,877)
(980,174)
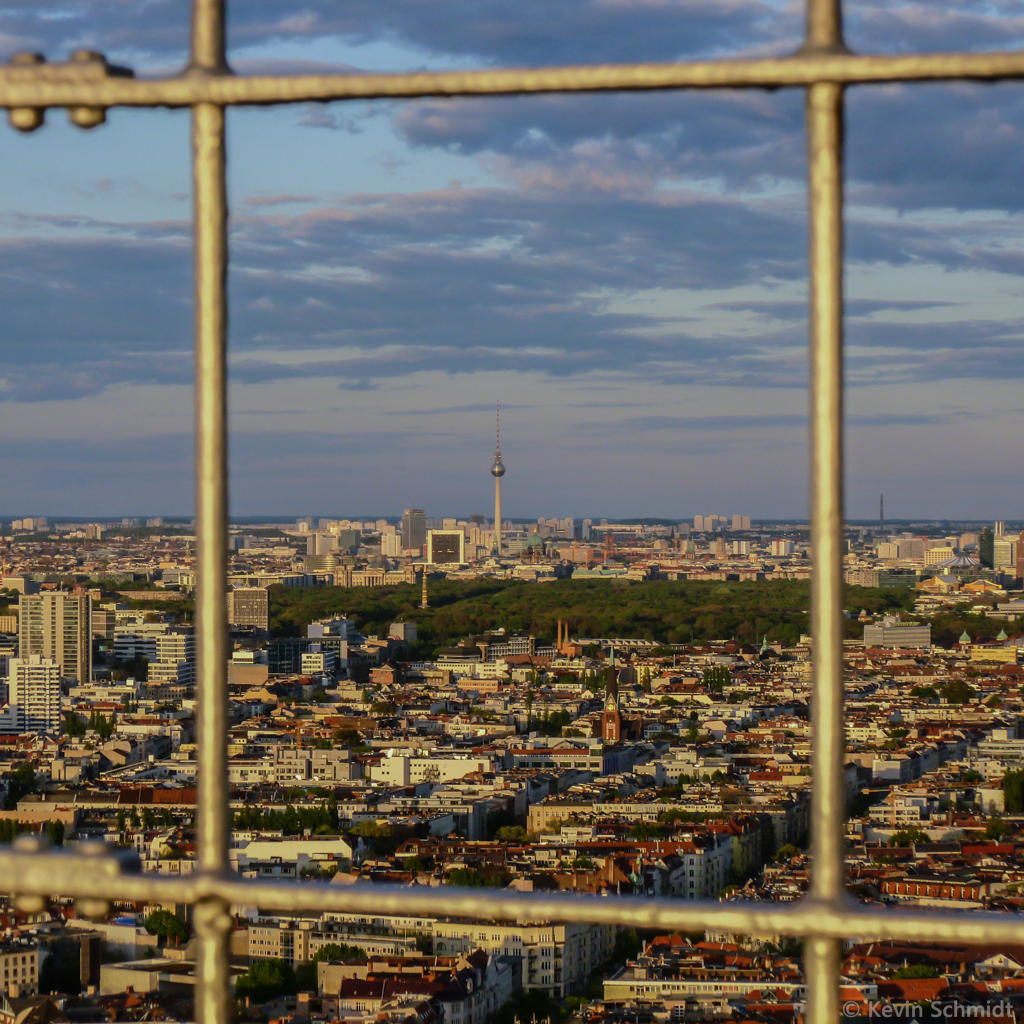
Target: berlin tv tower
(497,471)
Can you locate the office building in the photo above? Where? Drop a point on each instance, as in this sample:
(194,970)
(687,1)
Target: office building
(1004,553)
(414,529)
(321,543)
(891,632)
(33,693)
(249,606)
(937,555)
(175,664)
(446,547)
(58,625)
(1020,556)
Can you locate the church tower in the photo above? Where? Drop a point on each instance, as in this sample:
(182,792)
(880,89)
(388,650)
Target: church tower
(611,719)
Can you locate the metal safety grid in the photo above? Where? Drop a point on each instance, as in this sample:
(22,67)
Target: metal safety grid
(86,86)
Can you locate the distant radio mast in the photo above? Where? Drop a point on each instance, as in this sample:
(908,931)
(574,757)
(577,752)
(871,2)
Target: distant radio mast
(881,513)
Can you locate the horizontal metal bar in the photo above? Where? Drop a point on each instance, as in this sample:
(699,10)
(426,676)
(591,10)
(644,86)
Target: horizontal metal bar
(20,88)
(79,876)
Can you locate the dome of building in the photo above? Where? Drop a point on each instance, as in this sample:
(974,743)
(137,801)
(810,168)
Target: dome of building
(964,638)
(1002,635)
(959,562)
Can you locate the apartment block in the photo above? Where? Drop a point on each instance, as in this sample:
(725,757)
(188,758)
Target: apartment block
(33,694)
(20,965)
(557,959)
(58,625)
(249,606)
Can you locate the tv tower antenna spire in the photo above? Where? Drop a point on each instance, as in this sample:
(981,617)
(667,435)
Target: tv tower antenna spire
(497,471)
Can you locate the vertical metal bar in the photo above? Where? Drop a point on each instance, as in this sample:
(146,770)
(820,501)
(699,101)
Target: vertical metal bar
(825,144)
(211,257)
(209,44)
(212,920)
(210,229)
(824,26)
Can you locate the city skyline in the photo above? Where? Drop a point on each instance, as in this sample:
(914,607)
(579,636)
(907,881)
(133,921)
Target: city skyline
(627,271)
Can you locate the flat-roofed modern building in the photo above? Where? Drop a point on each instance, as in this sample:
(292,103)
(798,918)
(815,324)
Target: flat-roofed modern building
(446,547)
(898,634)
(249,606)
(33,693)
(414,529)
(58,625)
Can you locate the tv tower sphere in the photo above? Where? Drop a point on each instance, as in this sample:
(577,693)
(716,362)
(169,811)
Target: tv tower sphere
(498,468)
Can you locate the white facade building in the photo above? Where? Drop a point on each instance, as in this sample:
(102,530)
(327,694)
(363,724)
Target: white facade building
(34,695)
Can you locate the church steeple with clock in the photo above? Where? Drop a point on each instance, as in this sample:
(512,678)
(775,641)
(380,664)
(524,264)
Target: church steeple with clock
(611,719)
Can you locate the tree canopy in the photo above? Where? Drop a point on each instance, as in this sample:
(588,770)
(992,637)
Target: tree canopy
(669,612)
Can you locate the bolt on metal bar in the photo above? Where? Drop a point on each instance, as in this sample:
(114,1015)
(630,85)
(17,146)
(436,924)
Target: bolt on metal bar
(828,803)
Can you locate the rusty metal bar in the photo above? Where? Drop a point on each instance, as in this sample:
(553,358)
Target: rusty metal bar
(828,799)
(48,86)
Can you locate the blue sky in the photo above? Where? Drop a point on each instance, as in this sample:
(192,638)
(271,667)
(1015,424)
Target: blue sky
(627,273)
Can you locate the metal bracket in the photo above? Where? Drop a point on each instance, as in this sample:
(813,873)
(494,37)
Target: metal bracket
(84,68)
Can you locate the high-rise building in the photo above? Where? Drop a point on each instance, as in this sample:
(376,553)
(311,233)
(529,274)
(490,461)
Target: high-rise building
(33,693)
(698,524)
(1020,556)
(249,606)
(446,547)
(175,664)
(1000,528)
(58,625)
(321,543)
(414,529)
(1004,553)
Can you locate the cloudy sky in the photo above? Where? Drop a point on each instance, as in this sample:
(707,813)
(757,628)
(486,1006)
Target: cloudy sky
(626,273)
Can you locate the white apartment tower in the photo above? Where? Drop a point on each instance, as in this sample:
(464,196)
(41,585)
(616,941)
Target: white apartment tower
(34,694)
